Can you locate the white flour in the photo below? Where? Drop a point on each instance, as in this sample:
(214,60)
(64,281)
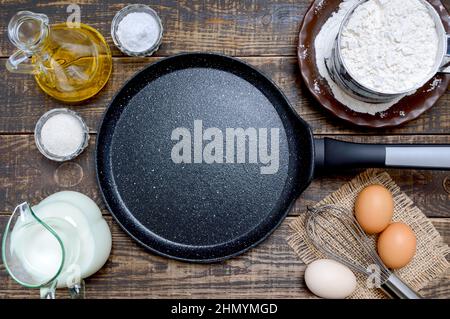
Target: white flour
(323,45)
(390,46)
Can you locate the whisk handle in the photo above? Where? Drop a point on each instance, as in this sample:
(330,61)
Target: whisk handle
(397,289)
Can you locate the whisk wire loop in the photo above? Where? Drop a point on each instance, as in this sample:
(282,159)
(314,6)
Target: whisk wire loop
(335,232)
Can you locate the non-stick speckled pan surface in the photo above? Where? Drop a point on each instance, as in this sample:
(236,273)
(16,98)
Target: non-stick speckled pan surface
(197,211)
(208,212)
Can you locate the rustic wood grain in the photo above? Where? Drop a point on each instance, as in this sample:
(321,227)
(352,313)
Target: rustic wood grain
(264,33)
(271,270)
(27,175)
(25,103)
(239,28)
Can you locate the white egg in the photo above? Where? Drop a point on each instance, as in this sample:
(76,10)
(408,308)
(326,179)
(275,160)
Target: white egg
(329,279)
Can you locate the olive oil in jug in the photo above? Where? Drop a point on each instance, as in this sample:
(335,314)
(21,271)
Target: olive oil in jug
(70,63)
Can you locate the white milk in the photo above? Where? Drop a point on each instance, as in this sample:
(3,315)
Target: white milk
(39,251)
(85,235)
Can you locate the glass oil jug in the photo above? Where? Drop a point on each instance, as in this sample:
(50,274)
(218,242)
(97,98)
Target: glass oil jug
(71,63)
(38,252)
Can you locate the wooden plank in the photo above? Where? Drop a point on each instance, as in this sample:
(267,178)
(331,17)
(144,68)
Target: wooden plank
(23,102)
(25,175)
(271,270)
(239,28)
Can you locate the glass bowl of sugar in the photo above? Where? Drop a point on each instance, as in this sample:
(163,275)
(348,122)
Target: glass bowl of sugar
(61,135)
(137,30)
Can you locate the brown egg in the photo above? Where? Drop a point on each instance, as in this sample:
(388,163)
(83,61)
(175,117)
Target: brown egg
(374,208)
(397,245)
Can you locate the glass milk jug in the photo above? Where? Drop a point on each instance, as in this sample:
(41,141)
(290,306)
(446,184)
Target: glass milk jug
(56,243)
(36,252)
(69,62)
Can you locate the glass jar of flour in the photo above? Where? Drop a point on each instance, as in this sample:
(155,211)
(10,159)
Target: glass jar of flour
(383,52)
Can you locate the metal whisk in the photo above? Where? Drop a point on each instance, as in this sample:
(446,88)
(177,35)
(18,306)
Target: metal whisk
(335,232)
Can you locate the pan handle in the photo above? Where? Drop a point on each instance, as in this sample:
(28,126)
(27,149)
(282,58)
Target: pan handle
(331,154)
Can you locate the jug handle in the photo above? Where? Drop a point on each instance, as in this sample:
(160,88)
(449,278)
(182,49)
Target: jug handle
(20,62)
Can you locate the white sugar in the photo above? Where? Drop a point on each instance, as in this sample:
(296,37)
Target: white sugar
(138,31)
(62,135)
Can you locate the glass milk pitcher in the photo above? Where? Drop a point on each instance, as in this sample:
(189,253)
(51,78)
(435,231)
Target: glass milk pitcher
(69,62)
(38,253)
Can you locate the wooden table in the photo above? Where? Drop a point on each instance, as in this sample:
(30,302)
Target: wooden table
(263,33)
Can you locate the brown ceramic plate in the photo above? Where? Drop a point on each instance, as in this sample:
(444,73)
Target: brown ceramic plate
(405,110)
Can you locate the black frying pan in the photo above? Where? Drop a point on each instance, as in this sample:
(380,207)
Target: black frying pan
(206,212)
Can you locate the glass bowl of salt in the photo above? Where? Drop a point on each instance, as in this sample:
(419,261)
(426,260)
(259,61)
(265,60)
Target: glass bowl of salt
(137,30)
(61,135)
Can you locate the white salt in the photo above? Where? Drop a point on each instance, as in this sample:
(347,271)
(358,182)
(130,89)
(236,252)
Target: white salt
(62,135)
(138,31)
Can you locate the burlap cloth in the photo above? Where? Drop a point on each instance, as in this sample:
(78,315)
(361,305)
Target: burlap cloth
(429,261)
